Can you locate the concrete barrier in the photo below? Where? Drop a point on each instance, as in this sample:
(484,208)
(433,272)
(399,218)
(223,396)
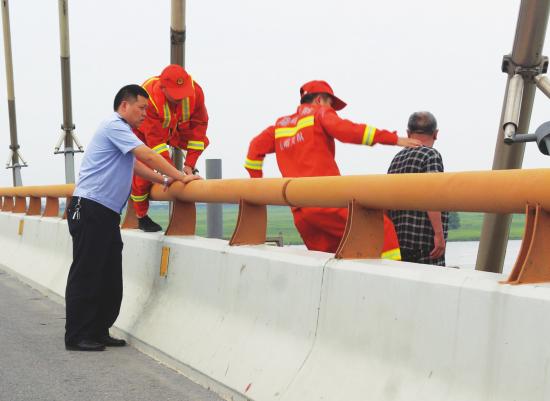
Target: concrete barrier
(417,333)
(37,249)
(266,323)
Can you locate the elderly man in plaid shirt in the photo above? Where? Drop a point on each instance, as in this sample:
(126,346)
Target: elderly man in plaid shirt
(422,235)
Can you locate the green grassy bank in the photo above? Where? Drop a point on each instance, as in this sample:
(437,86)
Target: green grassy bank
(280,223)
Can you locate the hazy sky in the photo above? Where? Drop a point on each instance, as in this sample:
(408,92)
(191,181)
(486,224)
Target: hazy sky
(385,59)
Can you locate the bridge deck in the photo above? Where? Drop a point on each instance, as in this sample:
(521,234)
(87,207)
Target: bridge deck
(35,366)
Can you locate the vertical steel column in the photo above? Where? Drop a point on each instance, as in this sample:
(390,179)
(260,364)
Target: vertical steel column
(177,53)
(214,211)
(526,54)
(14,146)
(68,126)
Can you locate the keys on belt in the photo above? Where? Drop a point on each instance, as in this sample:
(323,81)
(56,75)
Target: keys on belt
(76,211)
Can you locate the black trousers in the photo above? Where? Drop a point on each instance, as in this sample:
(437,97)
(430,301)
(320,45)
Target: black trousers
(94,285)
(421,256)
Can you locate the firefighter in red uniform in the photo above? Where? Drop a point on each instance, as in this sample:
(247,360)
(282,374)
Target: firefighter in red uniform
(176,116)
(303,143)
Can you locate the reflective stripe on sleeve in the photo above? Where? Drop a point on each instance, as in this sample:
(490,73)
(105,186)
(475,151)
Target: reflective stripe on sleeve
(368,136)
(392,254)
(253,164)
(196,145)
(161,148)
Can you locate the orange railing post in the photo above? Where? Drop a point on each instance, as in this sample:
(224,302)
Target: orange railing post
(67,203)
(7,206)
(52,207)
(251,224)
(20,204)
(183,219)
(35,204)
(364,234)
(130,218)
(533,261)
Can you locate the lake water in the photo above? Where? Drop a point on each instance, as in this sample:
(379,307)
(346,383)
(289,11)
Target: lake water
(464,254)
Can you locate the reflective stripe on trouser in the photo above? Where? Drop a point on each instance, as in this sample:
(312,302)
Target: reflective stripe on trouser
(140,195)
(392,254)
(390,250)
(141,188)
(139,198)
(322,230)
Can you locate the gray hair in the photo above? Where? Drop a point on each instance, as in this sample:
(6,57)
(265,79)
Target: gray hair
(422,122)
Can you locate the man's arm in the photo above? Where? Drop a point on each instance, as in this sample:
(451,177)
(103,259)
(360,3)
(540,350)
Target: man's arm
(145,172)
(434,164)
(439,239)
(154,161)
(195,136)
(152,132)
(361,134)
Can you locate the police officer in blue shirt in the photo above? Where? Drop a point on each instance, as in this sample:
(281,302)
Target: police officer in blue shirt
(94,285)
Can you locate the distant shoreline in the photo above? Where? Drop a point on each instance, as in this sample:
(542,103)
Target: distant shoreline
(280,222)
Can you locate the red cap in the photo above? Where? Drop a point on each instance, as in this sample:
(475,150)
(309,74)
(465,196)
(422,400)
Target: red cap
(321,87)
(177,82)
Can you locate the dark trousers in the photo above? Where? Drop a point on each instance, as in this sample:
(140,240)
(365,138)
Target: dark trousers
(94,286)
(421,256)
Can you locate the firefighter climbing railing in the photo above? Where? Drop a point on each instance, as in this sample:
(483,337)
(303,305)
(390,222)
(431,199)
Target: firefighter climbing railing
(505,191)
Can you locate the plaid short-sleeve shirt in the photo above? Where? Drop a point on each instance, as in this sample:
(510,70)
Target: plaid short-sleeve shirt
(414,230)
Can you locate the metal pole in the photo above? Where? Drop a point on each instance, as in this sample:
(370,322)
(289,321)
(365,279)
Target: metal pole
(526,59)
(512,108)
(14,146)
(543,83)
(214,211)
(68,126)
(177,53)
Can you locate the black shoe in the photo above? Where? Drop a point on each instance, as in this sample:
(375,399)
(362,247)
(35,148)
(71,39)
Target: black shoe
(146,224)
(109,341)
(85,345)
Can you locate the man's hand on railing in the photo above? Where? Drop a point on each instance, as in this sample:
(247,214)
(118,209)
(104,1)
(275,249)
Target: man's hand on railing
(188,170)
(185,178)
(166,182)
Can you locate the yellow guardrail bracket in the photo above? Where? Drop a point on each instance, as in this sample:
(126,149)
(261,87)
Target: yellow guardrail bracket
(164,261)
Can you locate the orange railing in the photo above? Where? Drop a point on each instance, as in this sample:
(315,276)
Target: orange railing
(505,191)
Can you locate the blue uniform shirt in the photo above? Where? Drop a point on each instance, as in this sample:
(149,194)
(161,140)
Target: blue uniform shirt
(108,164)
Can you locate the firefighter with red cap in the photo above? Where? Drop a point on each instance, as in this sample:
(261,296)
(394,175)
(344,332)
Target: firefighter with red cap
(303,143)
(176,116)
